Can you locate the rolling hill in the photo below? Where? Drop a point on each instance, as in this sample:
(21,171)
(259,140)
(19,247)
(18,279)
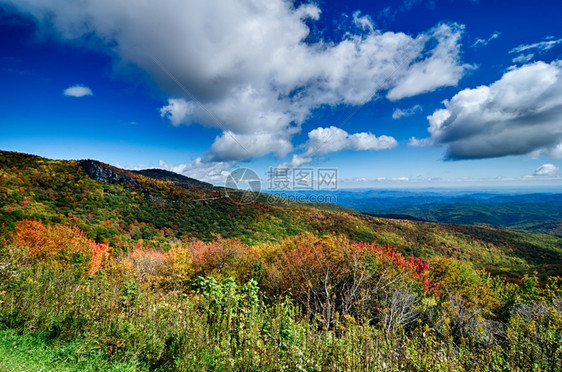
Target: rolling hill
(120,207)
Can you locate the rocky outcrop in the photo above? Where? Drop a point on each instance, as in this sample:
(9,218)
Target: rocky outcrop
(105,173)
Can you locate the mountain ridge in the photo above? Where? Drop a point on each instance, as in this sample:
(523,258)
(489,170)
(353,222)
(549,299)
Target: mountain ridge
(161,212)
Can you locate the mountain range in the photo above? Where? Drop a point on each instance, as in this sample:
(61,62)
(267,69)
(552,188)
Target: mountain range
(533,210)
(118,207)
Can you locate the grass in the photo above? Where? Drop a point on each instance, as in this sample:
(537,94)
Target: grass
(29,352)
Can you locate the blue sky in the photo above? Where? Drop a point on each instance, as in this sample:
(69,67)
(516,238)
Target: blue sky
(407,93)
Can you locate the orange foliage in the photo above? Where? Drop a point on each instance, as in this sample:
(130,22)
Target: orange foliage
(154,268)
(307,258)
(176,268)
(60,245)
(332,275)
(99,253)
(143,264)
(226,256)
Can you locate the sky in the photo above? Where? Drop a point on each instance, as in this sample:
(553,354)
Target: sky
(403,94)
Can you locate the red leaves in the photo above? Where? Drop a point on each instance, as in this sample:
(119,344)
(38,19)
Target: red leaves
(60,245)
(309,259)
(301,260)
(416,267)
(228,256)
(99,253)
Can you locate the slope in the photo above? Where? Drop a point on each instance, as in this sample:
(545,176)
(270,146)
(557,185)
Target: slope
(120,207)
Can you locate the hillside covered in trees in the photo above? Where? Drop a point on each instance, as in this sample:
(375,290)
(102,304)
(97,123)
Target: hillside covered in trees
(103,268)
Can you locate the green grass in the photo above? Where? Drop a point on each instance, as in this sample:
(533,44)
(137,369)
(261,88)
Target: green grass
(30,352)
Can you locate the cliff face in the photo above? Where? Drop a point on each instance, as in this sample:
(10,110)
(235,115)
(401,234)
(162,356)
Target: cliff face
(101,172)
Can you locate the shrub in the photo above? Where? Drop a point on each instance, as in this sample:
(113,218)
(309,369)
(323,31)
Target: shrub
(58,245)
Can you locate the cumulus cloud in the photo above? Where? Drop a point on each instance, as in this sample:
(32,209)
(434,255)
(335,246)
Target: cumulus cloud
(229,146)
(400,113)
(212,172)
(441,68)
(521,113)
(484,42)
(244,66)
(332,139)
(415,142)
(546,170)
(78,90)
(178,111)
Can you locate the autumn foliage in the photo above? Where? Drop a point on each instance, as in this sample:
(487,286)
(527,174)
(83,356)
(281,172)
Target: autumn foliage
(310,300)
(333,276)
(59,245)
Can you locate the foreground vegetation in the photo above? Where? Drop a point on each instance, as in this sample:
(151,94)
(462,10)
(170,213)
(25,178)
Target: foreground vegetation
(308,303)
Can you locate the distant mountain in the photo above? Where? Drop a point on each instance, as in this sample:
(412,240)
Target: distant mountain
(540,212)
(533,216)
(121,207)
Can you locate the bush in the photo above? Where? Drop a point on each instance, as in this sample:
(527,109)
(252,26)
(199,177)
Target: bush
(58,245)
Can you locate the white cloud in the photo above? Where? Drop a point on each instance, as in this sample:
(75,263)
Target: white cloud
(521,113)
(523,58)
(212,172)
(542,46)
(296,161)
(364,22)
(229,146)
(441,68)
(524,50)
(400,113)
(546,170)
(78,90)
(247,61)
(332,139)
(484,42)
(415,142)
(178,111)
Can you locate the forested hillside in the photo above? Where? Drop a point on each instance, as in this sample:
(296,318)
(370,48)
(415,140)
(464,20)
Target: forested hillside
(118,270)
(122,207)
